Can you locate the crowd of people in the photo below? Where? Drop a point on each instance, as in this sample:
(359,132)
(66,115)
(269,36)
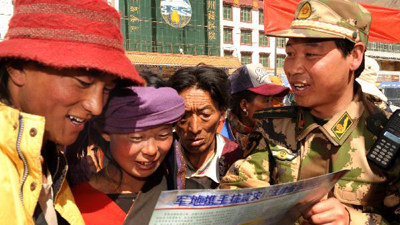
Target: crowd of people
(86,139)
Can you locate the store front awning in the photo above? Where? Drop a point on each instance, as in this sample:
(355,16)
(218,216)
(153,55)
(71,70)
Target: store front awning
(181,60)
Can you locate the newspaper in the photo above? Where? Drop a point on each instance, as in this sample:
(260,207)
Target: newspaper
(277,204)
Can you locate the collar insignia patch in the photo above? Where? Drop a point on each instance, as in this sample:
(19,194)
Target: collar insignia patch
(342,125)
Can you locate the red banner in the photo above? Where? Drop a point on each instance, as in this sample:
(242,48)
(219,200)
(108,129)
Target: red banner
(385,21)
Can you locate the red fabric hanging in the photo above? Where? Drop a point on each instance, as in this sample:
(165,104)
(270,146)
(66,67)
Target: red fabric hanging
(385,21)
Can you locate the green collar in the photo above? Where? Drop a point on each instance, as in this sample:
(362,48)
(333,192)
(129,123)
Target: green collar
(338,128)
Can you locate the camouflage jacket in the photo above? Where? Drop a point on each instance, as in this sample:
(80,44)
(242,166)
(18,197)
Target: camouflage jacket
(239,130)
(290,149)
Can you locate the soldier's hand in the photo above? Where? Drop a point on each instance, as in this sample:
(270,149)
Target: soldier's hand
(328,211)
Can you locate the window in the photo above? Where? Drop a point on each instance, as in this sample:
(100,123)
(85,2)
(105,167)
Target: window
(246,58)
(381,46)
(397,48)
(245,37)
(263,39)
(261,16)
(372,46)
(384,46)
(280,42)
(245,14)
(228,53)
(227,12)
(228,35)
(264,60)
(280,61)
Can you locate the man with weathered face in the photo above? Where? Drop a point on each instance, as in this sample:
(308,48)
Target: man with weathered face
(326,131)
(58,63)
(208,155)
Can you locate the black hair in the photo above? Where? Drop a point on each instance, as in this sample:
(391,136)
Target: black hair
(153,80)
(207,78)
(90,135)
(346,46)
(5,96)
(76,153)
(104,145)
(238,97)
(4,92)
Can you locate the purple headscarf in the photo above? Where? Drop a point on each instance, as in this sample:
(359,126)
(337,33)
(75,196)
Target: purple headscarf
(136,109)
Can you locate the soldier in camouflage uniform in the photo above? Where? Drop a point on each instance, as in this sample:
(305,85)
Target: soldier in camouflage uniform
(327,131)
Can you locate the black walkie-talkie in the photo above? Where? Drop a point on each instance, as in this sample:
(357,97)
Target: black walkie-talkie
(384,151)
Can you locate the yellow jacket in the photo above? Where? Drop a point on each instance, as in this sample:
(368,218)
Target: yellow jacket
(21,137)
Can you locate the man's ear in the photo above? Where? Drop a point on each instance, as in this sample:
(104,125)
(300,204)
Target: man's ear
(357,55)
(243,104)
(17,74)
(105,136)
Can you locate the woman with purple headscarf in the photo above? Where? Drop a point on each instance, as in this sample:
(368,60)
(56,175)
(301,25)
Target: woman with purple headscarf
(137,127)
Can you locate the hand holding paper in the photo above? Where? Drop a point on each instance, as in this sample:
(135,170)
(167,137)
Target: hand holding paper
(329,211)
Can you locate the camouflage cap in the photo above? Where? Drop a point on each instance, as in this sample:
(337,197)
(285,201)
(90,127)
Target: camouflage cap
(343,19)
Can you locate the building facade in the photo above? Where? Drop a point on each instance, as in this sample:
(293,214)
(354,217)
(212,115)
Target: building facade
(175,34)
(243,34)
(6,11)
(180,26)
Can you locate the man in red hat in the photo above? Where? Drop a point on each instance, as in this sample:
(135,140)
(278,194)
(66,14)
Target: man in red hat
(58,63)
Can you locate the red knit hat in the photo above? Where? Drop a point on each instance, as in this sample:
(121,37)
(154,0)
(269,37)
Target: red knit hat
(68,34)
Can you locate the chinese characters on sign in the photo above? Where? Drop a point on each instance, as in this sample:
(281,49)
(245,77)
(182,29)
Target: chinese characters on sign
(215,200)
(273,205)
(134,15)
(211,20)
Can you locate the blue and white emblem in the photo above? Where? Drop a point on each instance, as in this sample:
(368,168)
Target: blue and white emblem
(176,13)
